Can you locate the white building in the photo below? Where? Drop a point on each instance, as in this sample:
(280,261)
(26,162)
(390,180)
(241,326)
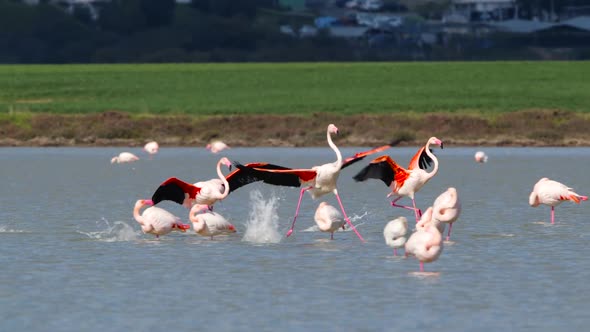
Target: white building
(483,9)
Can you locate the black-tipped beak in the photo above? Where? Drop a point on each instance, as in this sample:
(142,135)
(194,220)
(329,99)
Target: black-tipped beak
(230,166)
(441,145)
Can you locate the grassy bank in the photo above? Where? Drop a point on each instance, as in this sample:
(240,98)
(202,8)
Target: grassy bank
(296,89)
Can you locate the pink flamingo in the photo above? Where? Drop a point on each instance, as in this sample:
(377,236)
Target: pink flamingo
(403,182)
(155,220)
(447,208)
(480,157)
(209,223)
(216,146)
(124,157)
(552,193)
(395,233)
(328,219)
(319,180)
(425,244)
(151,148)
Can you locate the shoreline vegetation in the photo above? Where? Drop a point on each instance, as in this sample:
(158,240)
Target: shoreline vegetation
(114,128)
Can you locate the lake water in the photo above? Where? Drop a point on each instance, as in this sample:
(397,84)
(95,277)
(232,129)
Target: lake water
(74,259)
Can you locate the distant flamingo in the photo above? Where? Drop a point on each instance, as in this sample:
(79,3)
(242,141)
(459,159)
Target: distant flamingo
(319,180)
(480,157)
(151,148)
(209,223)
(403,182)
(395,233)
(216,146)
(328,219)
(124,157)
(155,220)
(426,245)
(552,193)
(447,208)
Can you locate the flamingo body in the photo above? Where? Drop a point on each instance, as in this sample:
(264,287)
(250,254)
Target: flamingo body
(553,193)
(209,223)
(155,220)
(480,157)
(124,157)
(446,209)
(328,218)
(425,244)
(395,233)
(216,146)
(151,147)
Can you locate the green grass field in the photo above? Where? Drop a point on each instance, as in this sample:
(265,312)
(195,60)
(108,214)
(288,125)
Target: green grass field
(296,88)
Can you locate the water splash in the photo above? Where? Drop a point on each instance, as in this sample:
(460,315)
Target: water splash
(353,219)
(263,225)
(118,231)
(5,229)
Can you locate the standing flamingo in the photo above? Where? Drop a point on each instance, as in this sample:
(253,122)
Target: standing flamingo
(155,220)
(447,208)
(403,182)
(395,233)
(425,244)
(209,223)
(328,219)
(124,157)
(151,148)
(319,180)
(216,146)
(480,157)
(552,193)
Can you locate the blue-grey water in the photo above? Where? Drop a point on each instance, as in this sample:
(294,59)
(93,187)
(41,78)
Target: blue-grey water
(74,259)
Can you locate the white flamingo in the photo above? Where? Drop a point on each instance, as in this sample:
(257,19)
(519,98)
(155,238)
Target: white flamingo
(209,223)
(395,233)
(216,146)
(124,157)
(552,193)
(425,244)
(480,157)
(151,148)
(447,208)
(155,220)
(328,219)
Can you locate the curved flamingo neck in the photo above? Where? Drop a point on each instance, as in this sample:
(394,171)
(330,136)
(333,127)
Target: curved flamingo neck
(223,179)
(335,148)
(136,213)
(434,159)
(198,224)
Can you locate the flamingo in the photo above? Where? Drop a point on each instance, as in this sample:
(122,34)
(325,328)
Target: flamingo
(480,157)
(447,208)
(209,223)
(155,220)
(395,233)
(124,157)
(425,244)
(403,182)
(328,219)
(319,180)
(151,148)
(552,193)
(216,146)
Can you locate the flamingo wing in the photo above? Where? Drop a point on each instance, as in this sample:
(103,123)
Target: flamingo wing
(361,155)
(420,159)
(175,190)
(385,169)
(246,174)
(278,175)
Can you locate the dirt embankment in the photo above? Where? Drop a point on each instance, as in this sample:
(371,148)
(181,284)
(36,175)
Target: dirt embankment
(524,128)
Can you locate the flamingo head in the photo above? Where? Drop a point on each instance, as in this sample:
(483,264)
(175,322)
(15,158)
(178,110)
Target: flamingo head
(322,204)
(534,199)
(231,228)
(332,129)
(436,141)
(226,162)
(143,202)
(114,160)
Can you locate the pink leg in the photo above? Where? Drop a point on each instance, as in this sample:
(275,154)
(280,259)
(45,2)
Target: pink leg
(290,231)
(332,236)
(421,266)
(417,212)
(394,251)
(346,217)
(449,233)
(552,215)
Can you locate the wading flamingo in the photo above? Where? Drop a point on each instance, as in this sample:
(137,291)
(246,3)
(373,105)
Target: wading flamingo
(446,209)
(216,146)
(328,219)
(395,233)
(403,182)
(480,157)
(209,223)
(319,180)
(155,220)
(425,244)
(151,148)
(552,193)
(124,157)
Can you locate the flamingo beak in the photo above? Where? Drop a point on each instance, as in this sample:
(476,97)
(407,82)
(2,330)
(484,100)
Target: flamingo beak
(441,145)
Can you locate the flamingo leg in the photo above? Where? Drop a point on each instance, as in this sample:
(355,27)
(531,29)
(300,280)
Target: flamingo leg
(421,266)
(394,251)
(417,212)
(449,233)
(552,215)
(332,236)
(346,217)
(303,190)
